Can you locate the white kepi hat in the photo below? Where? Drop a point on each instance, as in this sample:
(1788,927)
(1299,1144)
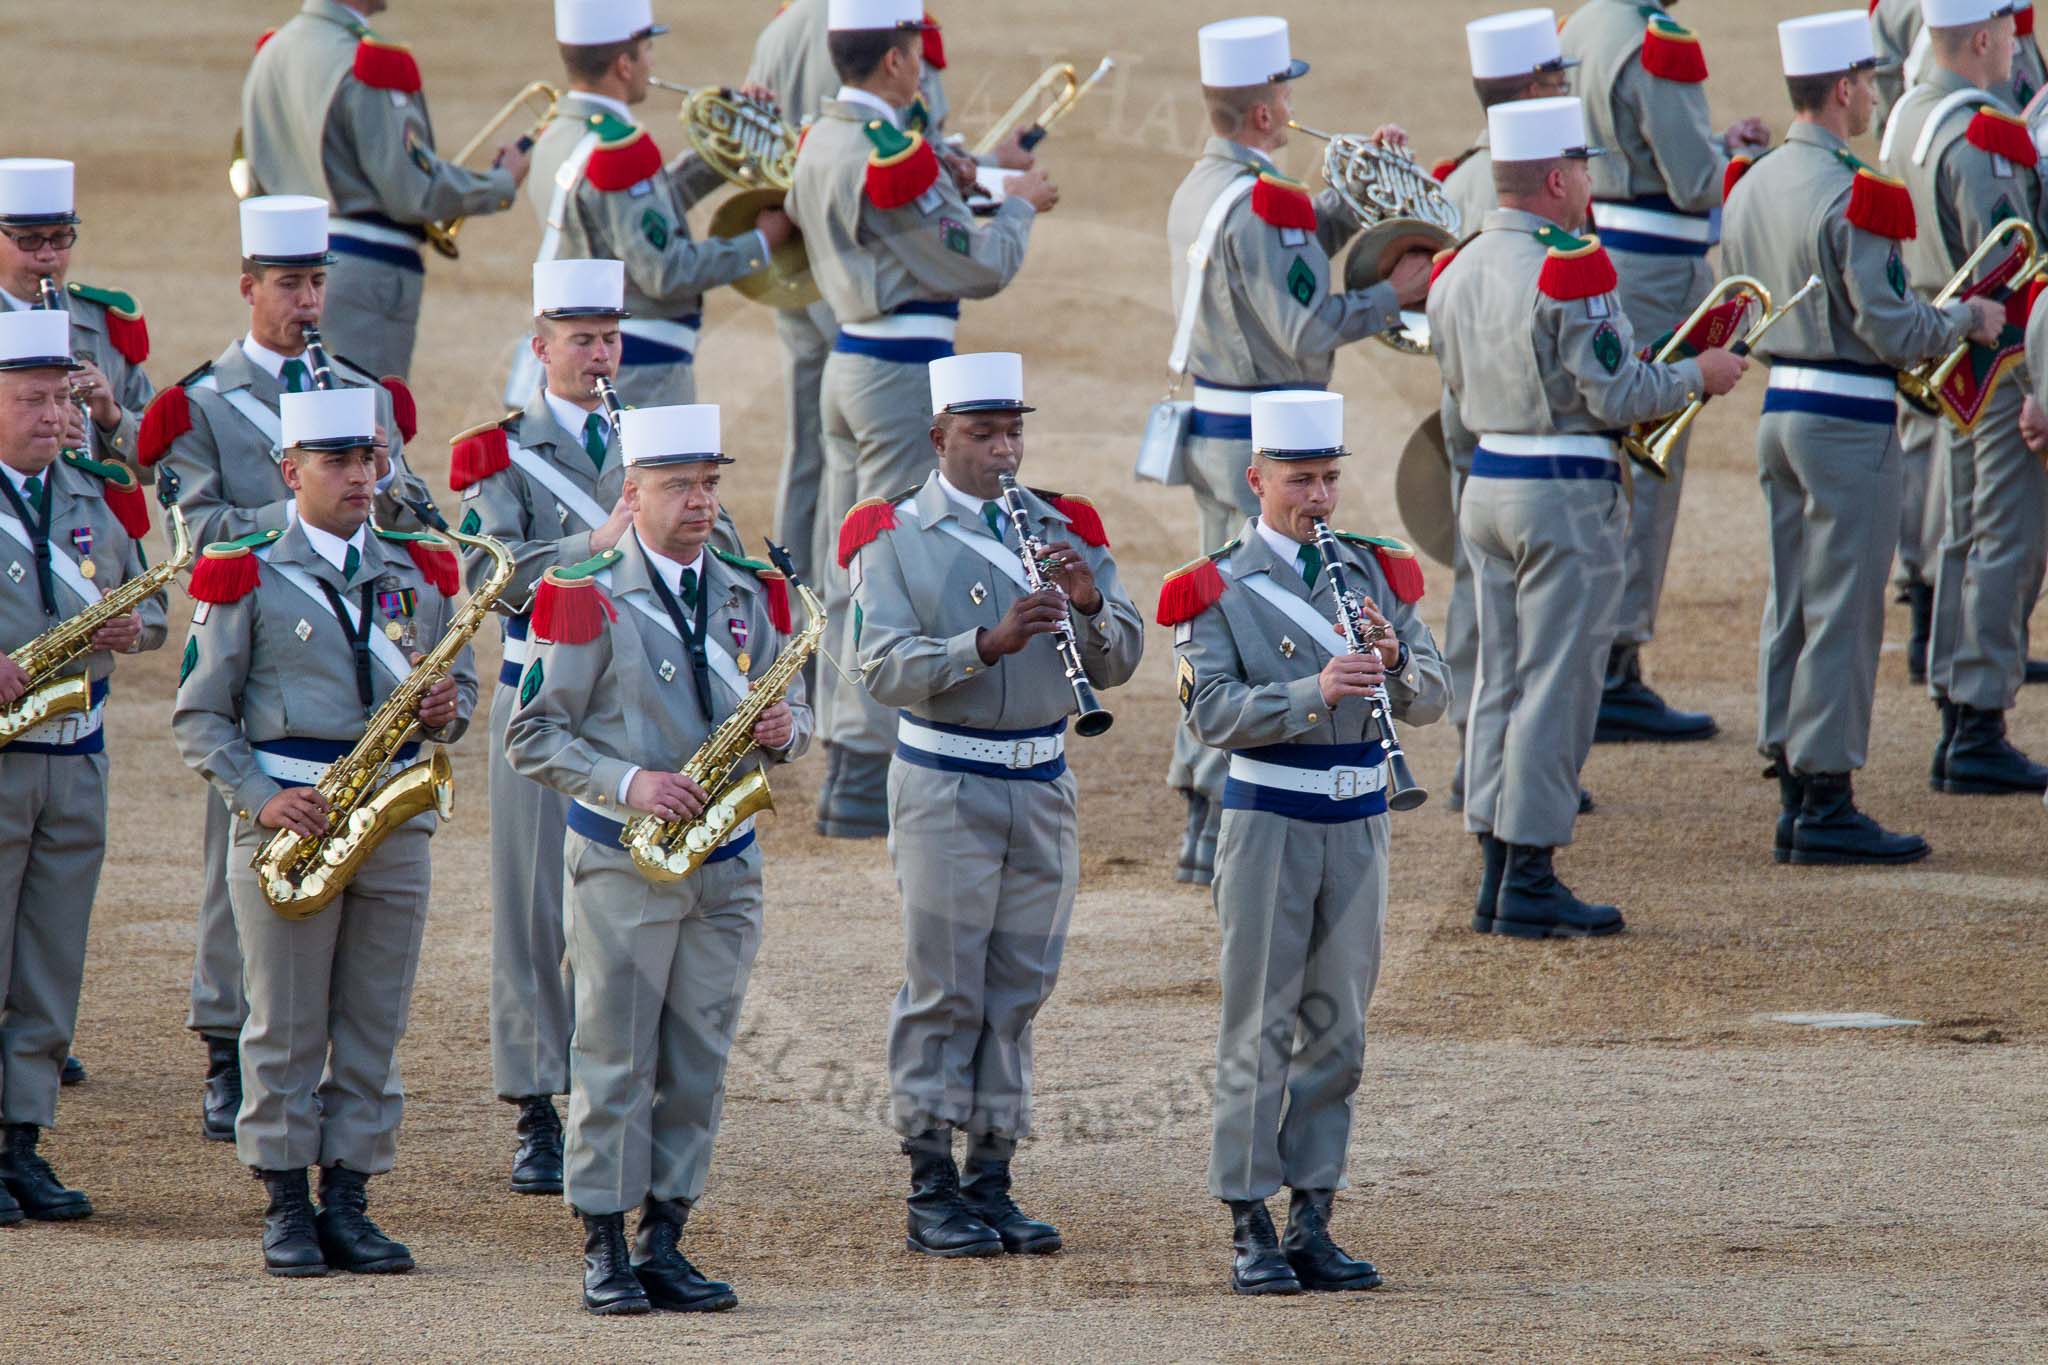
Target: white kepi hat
(329,419)
(1821,44)
(1298,424)
(36,339)
(1521,42)
(579,289)
(991,381)
(843,16)
(599,23)
(285,229)
(1957,13)
(1539,130)
(36,190)
(1244,52)
(686,434)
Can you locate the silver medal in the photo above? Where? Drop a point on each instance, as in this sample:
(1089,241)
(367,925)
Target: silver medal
(977,594)
(304,630)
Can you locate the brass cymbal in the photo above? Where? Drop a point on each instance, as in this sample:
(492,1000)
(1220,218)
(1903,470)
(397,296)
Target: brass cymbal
(787,282)
(1422,491)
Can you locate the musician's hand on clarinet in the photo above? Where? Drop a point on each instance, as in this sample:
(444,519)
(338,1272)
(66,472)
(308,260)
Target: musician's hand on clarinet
(1352,675)
(1064,565)
(1038,613)
(437,706)
(302,810)
(1987,321)
(668,795)
(120,635)
(13,681)
(776,727)
(91,383)
(1388,647)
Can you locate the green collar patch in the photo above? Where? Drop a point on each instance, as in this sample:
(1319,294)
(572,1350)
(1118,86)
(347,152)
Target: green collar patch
(121,476)
(592,567)
(742,562)
(1557,239)
(1846,157)
(887,139)
(1377,542)
(111,299)
(255,540)
(611,129)
(401,537)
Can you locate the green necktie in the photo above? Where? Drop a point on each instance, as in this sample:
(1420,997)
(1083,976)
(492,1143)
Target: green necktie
(690,588)
(295,376)
(350,563)
(32,491)
(596,435)
(1311,564)
(993,515)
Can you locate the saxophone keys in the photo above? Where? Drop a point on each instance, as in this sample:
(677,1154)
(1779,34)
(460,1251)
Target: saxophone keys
(280,890)
(698,840)
(361,823)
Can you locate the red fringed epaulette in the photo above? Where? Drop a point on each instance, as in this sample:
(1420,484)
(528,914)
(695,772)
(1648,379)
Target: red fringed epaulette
(1189,591)
(126,327)
(168,416)
(265,37)
(1672,53)
(934,44)
(405,410)
(2001,134)
(901,167)
(570,611)
(1283,203)
(1403,571)
(123,493)
(1442,170)
(775,596)
(1082,519)
(387,66)
(437,565)
(1738,166)
(1883,206)
(866,521)
(477,454)
(2035,288)
(625,155)
(225,573)
(1576,268)
(2022,21)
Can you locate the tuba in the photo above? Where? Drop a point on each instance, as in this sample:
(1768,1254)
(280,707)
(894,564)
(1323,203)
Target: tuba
(539,100)
(1403,209)
(366,801)
(1922,385)
(748,144)
(1072,91)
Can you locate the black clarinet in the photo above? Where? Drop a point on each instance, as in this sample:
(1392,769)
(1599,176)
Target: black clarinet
(609,396)
(1361,637)
(316,357)
(1092,720)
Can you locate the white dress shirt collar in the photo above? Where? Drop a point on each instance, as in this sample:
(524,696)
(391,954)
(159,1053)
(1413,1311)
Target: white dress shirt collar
(617,108)
(854,95)
(332,548)
(572,418)
(672,572)
(20,480)
(1285,548)
(968,507)
(269,361)
(15,305)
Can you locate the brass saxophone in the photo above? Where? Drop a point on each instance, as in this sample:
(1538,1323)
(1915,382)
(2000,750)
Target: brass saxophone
(670,850)
(300,876)
(49,654)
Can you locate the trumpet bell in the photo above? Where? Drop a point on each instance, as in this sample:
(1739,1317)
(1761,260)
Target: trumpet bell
(1422,491)
(787,282)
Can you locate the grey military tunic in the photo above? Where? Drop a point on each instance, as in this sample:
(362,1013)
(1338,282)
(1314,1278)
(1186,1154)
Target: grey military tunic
(53,825)
(269,698)
(1470,189)
(660,969)
(544,527)
(1544,382)
(230,485)
(92,338)
(594,216)
(1301,876)
(1988,568)
(331,110)
(1826,451)
(894,279)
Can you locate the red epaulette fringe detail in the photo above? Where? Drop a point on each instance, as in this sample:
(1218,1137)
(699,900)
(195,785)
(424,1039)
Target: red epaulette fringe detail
(571,611)
(1582,274)
(225,576)
(1882,206)
(168,416)
(478,456)
(405,410)
(1083,520)
(866,521)
(1189,592)
(1283,204)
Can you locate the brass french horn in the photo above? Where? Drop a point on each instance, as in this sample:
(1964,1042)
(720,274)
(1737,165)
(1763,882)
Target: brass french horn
(750,146)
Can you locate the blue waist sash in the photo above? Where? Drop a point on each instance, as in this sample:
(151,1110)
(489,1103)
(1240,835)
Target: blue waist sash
(610,833)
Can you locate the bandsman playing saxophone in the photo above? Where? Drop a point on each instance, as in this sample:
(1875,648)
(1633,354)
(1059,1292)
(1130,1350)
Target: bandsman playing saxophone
(1826,451)
(69,533)
(301,634)
(1301,865)
(640,653)
(981,804)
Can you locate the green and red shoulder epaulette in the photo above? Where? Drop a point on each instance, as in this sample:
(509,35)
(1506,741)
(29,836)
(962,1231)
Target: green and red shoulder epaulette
(386,66)
(570,607)
(1192,589)
(229,570)
(866,521)
(774,586)
(405,409)
(901,165)
(127,329)
(1671,51)
(480,452)
(625,154)
(2002,134)
(1576,268)
(1397,561)
(1284,203)
(1443,170)
(1879,204)
(168,416)
(121,489)
(934,44)
(1082,518)
(431,555)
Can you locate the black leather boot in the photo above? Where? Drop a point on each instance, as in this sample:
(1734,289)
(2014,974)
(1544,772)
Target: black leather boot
(1585,802)
(853,802)
(610,1288)
(1535,904)
(1631,711)
(1191,867)
(223,1099)
(1318,1262)
(940,1222)
(1982,762)
(1493,862)
(1455,802)
(1831,831)
(2036,671)
(671,1282)
(33,1184)
(1937,767)
(1791,797)
(986,1192)
(351,1241)
(1258,1266)
(73,1073)
(291,1247)
(10,1212)
(537,1165)
(1920,601)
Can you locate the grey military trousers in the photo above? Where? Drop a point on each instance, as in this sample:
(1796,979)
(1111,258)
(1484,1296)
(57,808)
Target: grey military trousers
(218,1005)
(1547,585)
(1223,500)
(988,869)
(53,837)
(806,335)
(1988,569)
(328,1002)
(877,417)
(372,314)
(531,994)
(1303,909)
(1922,506)
(661,973)
(1832,487)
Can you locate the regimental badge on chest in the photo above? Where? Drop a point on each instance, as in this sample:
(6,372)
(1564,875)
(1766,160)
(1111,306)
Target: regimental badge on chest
(667,671)
(1286,646)
(978,594)
(304,630)
(16,572)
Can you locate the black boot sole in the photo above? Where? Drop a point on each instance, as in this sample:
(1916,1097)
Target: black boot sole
(72,1213)
(404,1266)
(1522,929)
(1043,1246)
(295,1272)
(1950,786)
(1341,1286)
(973,1249)
(535,1186)
(1811,857)
(717,1303)
(1281,1288)
(1195,876)
(618,1308)
(1780,854)
(9,1217)
(1482,924)
(208,1134)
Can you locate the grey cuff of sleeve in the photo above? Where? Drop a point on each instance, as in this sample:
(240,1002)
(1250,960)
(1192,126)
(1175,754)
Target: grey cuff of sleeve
(1695,382)
(963,653)
(1306,708)
(254,794)
(1960,319)
(1023,208)
(609,778)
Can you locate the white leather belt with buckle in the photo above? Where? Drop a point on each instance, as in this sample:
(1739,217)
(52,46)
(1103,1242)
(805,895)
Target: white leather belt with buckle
(310,771)
(904,326)
(1345,783)
(1802,379)
(1590,447)
(65,730)
(372,232)
(1003,753)
(1223,402)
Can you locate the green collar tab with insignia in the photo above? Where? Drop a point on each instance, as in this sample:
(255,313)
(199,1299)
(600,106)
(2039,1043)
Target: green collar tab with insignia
(1557,239)
(107,298)
(255,540)
(741,561)
(592,567)
(116,474)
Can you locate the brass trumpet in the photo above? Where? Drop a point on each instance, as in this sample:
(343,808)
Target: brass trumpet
(538,99)
(1922,385)
(1060,76)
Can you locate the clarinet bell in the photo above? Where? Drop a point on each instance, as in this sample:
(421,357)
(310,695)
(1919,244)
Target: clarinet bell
(1403,793)
(1092,723)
